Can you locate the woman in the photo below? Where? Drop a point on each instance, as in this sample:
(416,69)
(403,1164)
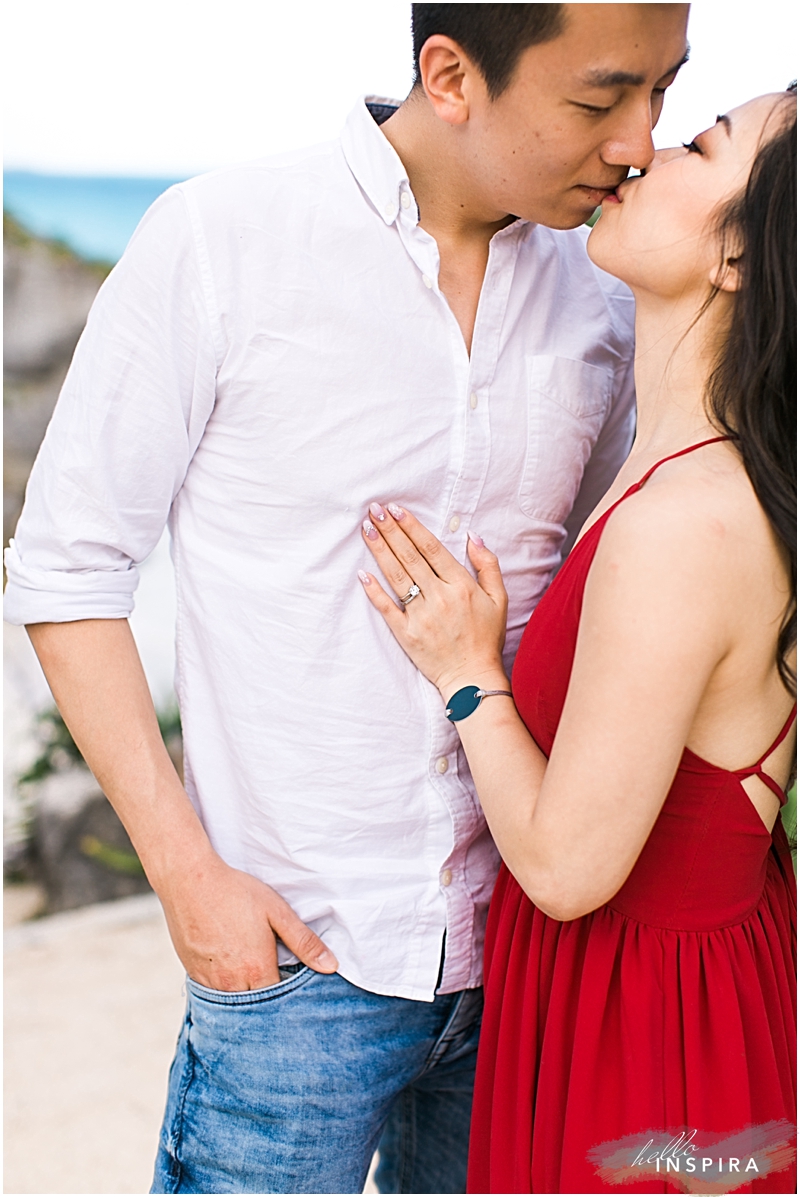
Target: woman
(640,946)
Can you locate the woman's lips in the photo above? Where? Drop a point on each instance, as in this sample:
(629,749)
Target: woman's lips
(612,198)
(619,194)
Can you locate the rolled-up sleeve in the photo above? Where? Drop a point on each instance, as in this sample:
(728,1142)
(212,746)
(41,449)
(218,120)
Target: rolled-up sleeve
(130,415)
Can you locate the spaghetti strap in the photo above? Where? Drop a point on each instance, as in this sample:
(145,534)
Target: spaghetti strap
(681,453)
(601,521)
(752,770)
(782,734)
(756,770)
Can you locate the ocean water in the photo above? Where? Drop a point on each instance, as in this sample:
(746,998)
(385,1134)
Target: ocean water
(94,216)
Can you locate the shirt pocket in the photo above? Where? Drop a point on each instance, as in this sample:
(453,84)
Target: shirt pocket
(568,401)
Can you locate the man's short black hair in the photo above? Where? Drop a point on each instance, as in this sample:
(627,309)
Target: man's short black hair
(493,35)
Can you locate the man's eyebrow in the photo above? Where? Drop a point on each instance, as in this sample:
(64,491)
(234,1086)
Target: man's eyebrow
(726,121)
(601,78)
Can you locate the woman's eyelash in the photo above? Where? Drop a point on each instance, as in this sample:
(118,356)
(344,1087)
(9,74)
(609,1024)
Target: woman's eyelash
(692,147)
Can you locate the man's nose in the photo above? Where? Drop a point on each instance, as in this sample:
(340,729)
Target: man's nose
(632,143)
(662,156)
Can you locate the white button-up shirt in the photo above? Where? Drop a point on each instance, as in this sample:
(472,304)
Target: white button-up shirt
(272,353)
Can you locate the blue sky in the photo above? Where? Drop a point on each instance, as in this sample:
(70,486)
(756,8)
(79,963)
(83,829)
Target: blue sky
(174,87)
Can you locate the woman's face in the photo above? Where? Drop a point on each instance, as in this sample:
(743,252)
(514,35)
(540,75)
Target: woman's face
(657,233)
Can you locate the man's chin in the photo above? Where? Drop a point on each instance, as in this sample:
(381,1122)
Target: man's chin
(565,216)
(569,210)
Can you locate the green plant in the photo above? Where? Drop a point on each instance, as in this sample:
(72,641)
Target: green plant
(169,723)
(116,859)
(789,816)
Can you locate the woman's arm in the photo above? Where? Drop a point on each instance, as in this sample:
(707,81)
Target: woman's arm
(651,634)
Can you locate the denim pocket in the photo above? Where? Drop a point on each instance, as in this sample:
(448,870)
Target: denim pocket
(221,997)
(567,405)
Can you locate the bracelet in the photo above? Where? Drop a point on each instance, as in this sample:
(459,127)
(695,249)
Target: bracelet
(467,700)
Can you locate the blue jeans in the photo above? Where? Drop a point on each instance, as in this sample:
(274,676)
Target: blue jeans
(290,1089)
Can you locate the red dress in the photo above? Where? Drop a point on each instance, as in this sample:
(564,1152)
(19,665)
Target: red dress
(670,1008)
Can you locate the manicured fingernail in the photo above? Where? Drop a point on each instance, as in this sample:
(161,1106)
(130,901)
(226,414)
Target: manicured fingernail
(377,512)
(370,530)
(395,512)
(365,578)
(478,540)
(327,959)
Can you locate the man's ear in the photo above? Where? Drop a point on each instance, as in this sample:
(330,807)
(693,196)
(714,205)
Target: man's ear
(728,275)
(446,74)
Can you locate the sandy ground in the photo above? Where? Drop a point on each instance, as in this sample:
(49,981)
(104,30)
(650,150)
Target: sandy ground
(93,1005)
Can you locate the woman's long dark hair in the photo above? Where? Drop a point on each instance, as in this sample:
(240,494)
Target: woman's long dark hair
(752,391)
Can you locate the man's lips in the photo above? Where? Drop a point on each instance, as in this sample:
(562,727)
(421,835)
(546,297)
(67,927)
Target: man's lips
(596,195)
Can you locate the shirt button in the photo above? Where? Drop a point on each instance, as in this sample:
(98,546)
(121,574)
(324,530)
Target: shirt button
(455,523)
(426,281)
(446,878)
(405,200)
(442,765)
(473,400)
(389,209)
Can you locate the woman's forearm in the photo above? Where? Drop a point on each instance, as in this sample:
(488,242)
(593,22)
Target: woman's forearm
(508,769)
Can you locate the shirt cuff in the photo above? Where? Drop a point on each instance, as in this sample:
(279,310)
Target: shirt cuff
(60,596)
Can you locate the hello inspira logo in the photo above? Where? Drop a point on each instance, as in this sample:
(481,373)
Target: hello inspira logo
(694,1162)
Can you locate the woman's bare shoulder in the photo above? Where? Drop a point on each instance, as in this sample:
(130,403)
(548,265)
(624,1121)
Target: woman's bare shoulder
(695,537)
(700,505)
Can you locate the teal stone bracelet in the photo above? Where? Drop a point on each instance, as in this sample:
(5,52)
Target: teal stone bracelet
(467,700)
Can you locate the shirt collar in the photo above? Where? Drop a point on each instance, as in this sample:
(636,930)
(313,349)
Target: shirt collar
(374,162)
(377,167)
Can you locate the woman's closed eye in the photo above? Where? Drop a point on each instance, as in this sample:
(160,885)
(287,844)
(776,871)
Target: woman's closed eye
(692,147)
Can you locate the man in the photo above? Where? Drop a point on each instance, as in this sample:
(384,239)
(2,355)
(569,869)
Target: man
(385,317)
